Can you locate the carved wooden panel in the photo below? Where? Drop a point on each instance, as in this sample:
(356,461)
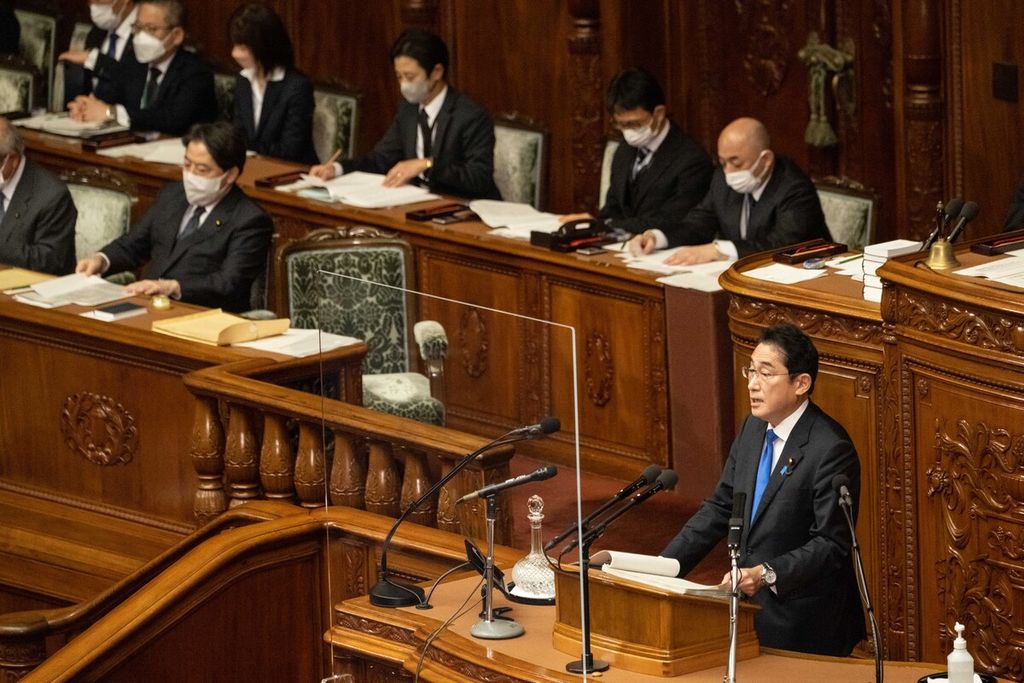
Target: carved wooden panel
(99,429)
(968,326)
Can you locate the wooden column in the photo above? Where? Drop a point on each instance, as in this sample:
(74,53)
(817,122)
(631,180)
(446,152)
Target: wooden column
(208,461)
(917,74)
(586,91)
(241,465)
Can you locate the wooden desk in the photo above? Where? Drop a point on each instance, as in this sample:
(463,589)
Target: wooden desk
(504,372)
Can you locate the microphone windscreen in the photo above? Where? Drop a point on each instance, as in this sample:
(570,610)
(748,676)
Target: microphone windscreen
(550,424)
(668,479)
(953,207)
(545,472)
(839,481)
(969,211)
(650,474)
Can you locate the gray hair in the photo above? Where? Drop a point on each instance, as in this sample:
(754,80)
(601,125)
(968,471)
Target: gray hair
(173,9)
(10,138)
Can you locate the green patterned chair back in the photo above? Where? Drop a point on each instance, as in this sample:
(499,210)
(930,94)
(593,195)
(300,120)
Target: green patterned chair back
(606,169)
(18,84)
(78,35)
(378,315)
(38,45)
(104,200)
(224,87)
(849,210)
(335,117)
(520,151)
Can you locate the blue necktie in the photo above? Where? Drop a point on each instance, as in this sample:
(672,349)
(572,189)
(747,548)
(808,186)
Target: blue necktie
(764,471)
(112,46)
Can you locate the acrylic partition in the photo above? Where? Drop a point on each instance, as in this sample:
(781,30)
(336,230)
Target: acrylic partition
(436,447)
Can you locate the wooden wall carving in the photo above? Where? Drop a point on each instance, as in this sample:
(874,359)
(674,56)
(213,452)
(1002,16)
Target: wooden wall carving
(473,342)
(373,628)
(586,83)
(968,325)
(599,368)
(905,509)
(99,429)
(767,46)
(813,323)
(471,671)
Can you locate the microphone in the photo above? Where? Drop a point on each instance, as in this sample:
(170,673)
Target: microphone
(949,211)
(539,474)
(647,477)
(387,593)
(666,480)
(739,502)
(967,215)
(840,484)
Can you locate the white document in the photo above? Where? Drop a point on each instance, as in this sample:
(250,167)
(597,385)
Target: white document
(514,219)
(61,124)
(783,274)
(300,343)
(82,290)
(994,270)
(169,151)
(892,248)
(702,277)
(367,191)
(651,570)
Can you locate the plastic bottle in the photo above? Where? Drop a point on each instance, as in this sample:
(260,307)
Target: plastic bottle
(959,663)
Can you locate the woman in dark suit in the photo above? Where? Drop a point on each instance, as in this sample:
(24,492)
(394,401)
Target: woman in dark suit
(273,101)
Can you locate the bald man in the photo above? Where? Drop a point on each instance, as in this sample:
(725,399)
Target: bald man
(758,200)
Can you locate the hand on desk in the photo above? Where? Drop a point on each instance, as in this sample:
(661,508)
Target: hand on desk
(169,288)
(405,171)
(750,580)
(690,256)
(642,244)
(573,217)
(88,108)
(322,171)
(91,265)
(74,56)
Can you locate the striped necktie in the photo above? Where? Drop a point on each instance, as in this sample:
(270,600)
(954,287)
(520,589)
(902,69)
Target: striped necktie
(643,156)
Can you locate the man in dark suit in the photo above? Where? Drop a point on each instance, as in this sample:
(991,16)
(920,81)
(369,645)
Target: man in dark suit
(795,549)
(205,241)
(758,200)
(169,90)
(37,216)
(108,47)
(659,173)
(439,138)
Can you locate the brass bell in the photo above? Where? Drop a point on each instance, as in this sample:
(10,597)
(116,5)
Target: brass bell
(941,256)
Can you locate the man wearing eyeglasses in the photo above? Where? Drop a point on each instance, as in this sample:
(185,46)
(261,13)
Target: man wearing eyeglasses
(169,90)
(659,172)
(795,551)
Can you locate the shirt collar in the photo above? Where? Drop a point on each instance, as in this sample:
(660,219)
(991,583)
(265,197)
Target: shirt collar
(785,428)
(276,75)
(124,29)
(433,108)
(11,185)
(656,142)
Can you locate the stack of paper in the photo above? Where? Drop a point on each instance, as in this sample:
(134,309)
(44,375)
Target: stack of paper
(300,343)
(511,219)
(702,277)
(783,274)
(19,278)
(218,328)
(78,289)
(169,151)
(877,254)
(62,124)
(365,190)
(1009,271)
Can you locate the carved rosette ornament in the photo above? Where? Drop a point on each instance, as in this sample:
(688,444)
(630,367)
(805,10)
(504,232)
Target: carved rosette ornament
(473,340)
(99,429)
(767,51)
(599,369)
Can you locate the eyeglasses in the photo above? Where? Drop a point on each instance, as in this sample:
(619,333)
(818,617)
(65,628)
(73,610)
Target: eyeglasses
(150,28)
(632,125)
(751,372)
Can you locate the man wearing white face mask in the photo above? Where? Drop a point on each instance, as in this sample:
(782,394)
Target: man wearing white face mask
(660,172)
(757,201)
(169,90)
(204,240)
(439,138)
(108,49)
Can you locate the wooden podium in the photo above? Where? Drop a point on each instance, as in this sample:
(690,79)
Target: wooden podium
(649,630)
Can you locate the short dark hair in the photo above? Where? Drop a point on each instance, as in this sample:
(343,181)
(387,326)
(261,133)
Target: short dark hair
(425,47)
(796,348)
(260,29)
(224,142)
(174,9)
(634,88)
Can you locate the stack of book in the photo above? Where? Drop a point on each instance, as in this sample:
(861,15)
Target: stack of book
(877,254)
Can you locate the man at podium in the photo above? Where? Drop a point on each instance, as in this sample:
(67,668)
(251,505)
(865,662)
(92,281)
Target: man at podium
(795,551)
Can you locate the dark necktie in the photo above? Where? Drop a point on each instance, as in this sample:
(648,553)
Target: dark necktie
(149,92)
(748,205)
(112,46)
(2,209)
(764,471)
(640,163)
(425,131)
(193,223)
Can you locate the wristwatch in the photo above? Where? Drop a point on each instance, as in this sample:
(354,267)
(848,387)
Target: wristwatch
(767,575)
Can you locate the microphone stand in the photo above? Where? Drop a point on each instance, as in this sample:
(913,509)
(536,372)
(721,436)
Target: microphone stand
(845,504)
(490,628)
(734,596)
(586,663)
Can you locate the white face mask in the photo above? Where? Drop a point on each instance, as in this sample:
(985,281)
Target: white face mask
(148,48)
(745,182)
(415,92)
(200,190)
(639,137)
(104,16)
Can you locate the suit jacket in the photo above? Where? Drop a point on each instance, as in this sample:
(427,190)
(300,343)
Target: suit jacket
(799,531)
(1015,214)
(463,148)
(38,229)
(286,120)
(10,29)
(675,180)
(788,212)
(108,71)
(185,96)
(216,265)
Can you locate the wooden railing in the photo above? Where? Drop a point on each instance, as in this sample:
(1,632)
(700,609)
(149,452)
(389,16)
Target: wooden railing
(290,445)
(209,608)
